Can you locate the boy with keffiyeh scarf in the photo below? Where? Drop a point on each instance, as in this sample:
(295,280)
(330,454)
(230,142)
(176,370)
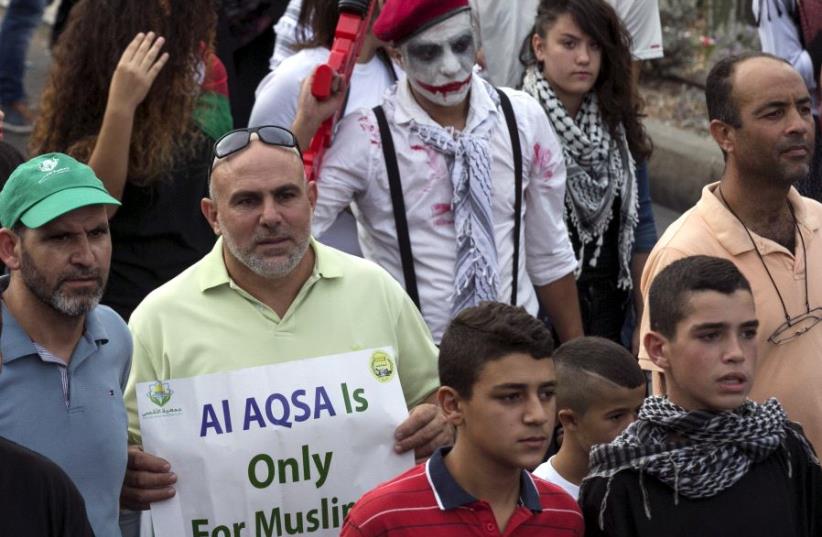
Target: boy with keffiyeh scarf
(704,460)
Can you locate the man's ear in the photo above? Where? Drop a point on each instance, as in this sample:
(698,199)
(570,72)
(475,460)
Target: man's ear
(395,53)
(451,404)
(723,134)
(656,345)
(480,59)
(568,419)
(209,210)
(311,188)
(9,252)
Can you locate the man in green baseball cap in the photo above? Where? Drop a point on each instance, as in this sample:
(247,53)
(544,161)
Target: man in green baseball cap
(65,358)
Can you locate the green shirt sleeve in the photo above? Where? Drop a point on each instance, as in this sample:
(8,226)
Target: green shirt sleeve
(142,370)
(416,354)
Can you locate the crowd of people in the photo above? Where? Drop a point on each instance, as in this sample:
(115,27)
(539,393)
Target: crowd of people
(565,372)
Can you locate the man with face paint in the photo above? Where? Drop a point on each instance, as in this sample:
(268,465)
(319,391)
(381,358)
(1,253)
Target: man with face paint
(455,188)
(440,61)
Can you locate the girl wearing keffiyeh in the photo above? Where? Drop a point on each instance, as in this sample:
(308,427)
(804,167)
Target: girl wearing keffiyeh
(578,67)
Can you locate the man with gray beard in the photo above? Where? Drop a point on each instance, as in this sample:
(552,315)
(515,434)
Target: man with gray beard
(269,293)
(66,359)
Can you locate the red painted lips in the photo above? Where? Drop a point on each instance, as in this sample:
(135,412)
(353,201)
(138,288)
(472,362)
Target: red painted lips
(445,89)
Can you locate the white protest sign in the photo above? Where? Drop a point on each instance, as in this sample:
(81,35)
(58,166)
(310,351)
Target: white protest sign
(275,450)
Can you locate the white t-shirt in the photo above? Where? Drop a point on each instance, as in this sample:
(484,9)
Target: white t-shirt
(278,93)
(547,472)
(641,19)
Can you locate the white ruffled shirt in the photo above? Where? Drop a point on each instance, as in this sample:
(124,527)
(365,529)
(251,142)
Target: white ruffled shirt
(354,171)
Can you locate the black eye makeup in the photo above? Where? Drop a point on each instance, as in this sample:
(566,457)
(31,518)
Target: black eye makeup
(425,52)
(462,44)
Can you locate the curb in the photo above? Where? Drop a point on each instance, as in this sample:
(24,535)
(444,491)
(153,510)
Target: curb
(682,163)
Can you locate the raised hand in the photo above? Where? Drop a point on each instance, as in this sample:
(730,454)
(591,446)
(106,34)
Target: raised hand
(139,66)
(311,112)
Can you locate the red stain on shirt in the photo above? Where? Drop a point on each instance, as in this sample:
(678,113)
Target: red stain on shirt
(371,130)
(542,162)
(442,214)
(437,167)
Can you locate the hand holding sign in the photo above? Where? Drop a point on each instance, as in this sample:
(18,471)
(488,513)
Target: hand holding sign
(424,430)
(148,479)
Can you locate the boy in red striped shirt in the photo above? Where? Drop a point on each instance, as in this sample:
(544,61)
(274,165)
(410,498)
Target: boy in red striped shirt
(498,385)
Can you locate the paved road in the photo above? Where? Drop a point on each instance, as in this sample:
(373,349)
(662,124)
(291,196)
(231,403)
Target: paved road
(38,62)
(664,217)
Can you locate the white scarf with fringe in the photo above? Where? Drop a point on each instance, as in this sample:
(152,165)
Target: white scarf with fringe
(475,273)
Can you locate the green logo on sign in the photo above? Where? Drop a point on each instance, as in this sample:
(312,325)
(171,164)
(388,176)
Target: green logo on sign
(160,393)
(382,367)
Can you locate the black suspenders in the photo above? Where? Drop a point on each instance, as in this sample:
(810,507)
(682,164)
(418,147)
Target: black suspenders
(511,121)
(398,202)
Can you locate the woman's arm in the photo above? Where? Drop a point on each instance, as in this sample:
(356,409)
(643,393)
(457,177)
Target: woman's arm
(135,73)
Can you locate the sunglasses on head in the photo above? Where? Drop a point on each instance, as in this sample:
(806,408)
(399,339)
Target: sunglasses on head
(238,139)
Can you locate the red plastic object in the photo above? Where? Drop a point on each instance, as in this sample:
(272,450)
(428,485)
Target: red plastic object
(348,38)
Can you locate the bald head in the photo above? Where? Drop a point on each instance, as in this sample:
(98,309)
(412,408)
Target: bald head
(256,158)
(722,80)
(760,74)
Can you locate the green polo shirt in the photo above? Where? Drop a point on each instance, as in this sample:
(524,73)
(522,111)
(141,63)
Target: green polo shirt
(201,322)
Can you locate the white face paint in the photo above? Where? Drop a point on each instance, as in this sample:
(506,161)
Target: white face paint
(439,61)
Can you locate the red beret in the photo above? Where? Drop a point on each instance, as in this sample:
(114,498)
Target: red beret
(400,19)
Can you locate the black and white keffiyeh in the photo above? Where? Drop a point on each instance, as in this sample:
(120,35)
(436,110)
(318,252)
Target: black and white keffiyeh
(699,453)
(598,167)
(475,278)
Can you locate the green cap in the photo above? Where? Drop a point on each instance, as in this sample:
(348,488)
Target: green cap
(48,186)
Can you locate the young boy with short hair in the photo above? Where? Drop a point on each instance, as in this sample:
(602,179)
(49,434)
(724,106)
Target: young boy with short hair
(706,460)
(600,388)
(498,386)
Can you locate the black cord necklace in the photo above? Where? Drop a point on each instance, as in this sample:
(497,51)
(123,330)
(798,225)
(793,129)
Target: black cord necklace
(762,259)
